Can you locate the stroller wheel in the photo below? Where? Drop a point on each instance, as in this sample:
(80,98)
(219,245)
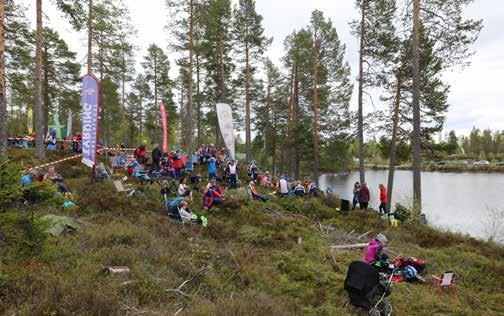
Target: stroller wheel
(382,309)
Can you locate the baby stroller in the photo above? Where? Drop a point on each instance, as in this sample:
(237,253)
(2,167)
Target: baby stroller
(368,289)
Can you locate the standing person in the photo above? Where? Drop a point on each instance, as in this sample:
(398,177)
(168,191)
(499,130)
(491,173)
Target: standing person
(232,171)
(156,157)
(177,164)
(364,197)
(383,199)
(140,154)
(356,194)
(212,168)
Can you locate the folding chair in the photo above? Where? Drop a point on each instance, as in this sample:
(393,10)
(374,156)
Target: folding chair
(447,281)
(101,172)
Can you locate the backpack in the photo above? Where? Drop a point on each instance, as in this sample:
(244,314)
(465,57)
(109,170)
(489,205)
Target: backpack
(175,202)
(410,273)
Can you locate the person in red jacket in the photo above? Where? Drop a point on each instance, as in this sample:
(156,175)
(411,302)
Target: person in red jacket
(383,199)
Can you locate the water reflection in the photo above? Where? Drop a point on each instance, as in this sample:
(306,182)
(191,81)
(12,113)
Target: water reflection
(454,201)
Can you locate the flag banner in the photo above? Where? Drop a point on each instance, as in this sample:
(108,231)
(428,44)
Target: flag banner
(89,102)
(225,116)
(30,121)
(69,126)
(164,121)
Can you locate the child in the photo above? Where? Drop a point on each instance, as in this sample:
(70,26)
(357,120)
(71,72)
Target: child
(374,250)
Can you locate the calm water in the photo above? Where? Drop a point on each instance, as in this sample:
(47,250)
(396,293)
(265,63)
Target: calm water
(454,201)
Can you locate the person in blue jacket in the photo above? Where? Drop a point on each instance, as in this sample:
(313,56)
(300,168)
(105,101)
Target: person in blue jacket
(212,168)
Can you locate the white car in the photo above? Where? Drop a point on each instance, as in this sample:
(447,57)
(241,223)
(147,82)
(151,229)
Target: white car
(482,163)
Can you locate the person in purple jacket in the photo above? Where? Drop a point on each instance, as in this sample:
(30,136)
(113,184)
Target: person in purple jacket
(374,251)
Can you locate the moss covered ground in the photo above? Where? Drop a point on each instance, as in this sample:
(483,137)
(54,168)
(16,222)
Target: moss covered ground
(246,262)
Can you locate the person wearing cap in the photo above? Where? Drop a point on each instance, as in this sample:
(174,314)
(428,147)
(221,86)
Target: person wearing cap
(374,250)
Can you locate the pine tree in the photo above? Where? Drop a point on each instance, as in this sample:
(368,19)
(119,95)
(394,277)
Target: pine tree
(39,127)
(331,89)
(216,47)
(250,45)
(156,67)
(3,99)
(60,73)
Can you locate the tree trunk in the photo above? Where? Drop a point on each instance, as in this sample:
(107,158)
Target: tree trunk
(247,104)
(393,146)
(123,94)
(45,108)
(156,105)
(39,138)
(417,182)
(198,100)
(189,150)
(361,90)
(140,101)
(316,46)
(297,115)
(90,38)
(266,126)
(273,139)
(221,87)
(289,139)
(3,100)
(182,115)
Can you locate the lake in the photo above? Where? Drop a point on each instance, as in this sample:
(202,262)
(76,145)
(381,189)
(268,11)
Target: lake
(451,201)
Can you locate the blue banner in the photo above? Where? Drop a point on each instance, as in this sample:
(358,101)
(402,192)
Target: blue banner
(90,91)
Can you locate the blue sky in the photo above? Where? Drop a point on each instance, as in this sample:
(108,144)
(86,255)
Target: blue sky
(476,96)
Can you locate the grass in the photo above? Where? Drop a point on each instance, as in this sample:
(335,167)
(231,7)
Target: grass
(245,263)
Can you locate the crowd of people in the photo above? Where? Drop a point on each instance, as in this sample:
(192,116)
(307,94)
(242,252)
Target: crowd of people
(74,144)
(362,197)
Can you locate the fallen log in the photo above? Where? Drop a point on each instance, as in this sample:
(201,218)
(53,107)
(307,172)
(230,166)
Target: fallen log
(115,270)
(351,246)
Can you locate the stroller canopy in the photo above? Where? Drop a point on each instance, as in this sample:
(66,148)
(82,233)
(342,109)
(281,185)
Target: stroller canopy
(361,283)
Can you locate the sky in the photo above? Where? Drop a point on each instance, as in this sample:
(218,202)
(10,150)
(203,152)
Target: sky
(476,96)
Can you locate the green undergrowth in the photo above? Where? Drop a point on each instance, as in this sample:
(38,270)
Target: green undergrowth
(247,262)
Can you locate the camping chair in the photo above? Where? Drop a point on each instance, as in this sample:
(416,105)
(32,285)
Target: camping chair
(447,281)
(189,168)
(115,165)
(101,172)
(121,187)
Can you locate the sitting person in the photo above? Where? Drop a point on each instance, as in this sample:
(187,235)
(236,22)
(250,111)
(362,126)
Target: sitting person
(57,179)
(282,187)
(255,193)
(212,195)
(401,213)
(178,209)
(27,179)
(183,189)
(312,188)
(139,173)
(299,189)
(374,250)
